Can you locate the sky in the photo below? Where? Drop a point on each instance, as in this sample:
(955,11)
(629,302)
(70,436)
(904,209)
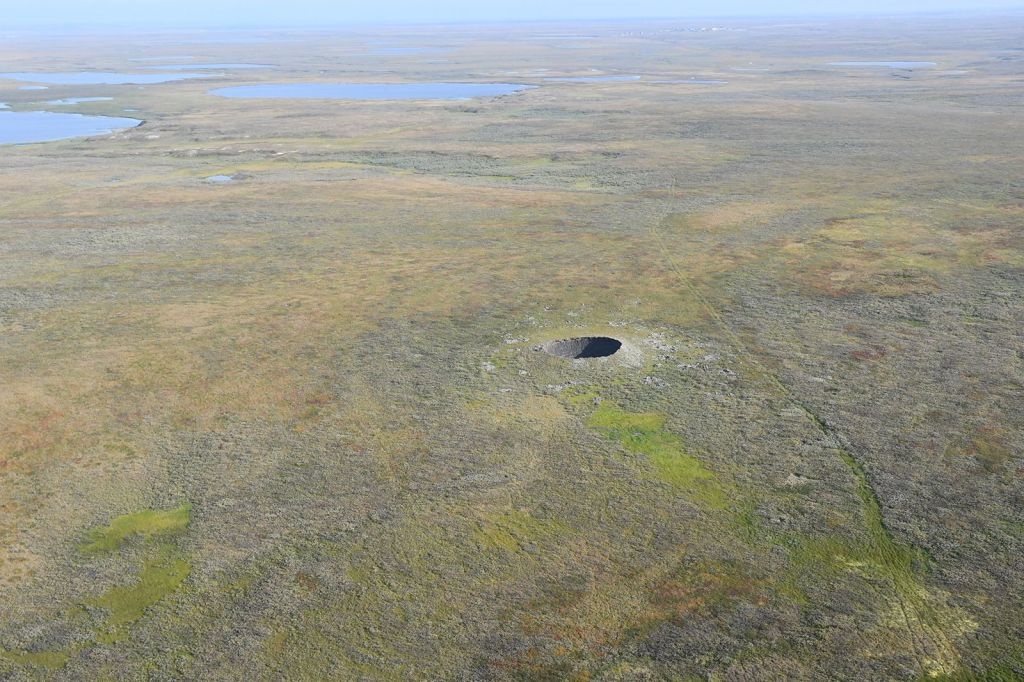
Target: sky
(225,13)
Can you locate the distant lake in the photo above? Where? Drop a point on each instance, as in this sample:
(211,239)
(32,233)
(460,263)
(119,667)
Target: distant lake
(891,65)
(181,67)
(560,36)
(21,127)
(589,79)
(370,91)
(78,100)
(220,178)
(99,77)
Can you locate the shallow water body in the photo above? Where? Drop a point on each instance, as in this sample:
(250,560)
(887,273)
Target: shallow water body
(22,127)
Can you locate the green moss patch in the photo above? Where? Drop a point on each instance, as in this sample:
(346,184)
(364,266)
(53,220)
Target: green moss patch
(51,660)
(149,523)
(159,577)
(644,433)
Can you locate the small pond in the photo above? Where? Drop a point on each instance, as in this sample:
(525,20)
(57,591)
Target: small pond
(370,91)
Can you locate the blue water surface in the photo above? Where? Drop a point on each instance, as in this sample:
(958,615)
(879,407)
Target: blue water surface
(21,127)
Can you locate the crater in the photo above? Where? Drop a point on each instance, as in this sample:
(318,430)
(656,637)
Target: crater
(583,347)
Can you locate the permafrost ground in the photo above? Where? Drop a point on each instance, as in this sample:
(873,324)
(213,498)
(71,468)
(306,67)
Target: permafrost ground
(295,426)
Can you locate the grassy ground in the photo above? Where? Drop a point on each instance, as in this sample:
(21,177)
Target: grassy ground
(295,426)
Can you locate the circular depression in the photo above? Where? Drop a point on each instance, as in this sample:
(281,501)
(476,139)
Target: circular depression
(582,347)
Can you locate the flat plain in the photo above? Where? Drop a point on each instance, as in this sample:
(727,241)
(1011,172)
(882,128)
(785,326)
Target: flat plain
(294,423)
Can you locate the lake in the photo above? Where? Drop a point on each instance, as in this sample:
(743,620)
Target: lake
(370,91)
(22,127)
(99,77)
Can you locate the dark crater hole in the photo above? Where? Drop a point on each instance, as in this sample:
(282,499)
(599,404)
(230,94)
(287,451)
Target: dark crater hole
(583,347)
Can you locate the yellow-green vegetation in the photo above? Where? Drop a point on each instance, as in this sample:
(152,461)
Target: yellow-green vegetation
(162,572)
(987,444)
(160,575)
(930,622)
(50,660)
(927,615)
(644,433)
(1008,667)
(1009,670)
(148,523)
(511,528)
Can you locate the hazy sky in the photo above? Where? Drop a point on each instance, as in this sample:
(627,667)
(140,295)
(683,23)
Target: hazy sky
(53,13)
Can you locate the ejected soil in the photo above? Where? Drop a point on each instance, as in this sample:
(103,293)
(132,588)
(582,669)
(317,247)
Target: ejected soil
(296,426)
